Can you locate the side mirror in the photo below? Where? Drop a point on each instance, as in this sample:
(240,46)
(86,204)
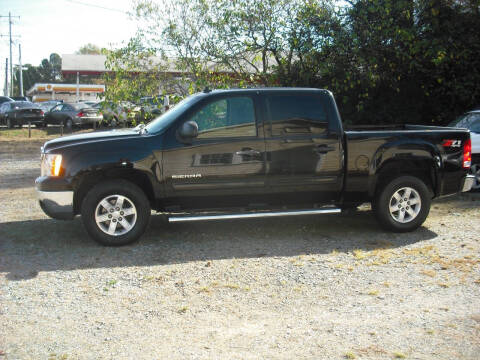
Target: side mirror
(188,130)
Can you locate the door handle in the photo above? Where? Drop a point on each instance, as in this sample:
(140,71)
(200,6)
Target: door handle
(248,152)
(323,149)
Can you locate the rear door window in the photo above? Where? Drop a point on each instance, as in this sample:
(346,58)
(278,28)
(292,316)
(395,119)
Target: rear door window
(296,114)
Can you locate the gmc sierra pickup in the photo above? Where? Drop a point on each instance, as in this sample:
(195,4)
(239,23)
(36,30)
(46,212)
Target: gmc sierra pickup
(249,153)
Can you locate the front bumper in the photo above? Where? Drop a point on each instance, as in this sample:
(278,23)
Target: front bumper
(56,204)
(55,197)
(468,183)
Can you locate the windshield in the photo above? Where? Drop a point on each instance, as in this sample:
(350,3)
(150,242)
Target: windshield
(171,115)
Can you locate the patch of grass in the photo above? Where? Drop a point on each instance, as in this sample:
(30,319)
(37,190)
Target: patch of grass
(373,292)
(430,273)
(399,355)
(153,278)
(231,286)
(430,332)
(421,251)
(53,356)
(45,133)
(205,289)
(359,254)
(349,355)
(183,310)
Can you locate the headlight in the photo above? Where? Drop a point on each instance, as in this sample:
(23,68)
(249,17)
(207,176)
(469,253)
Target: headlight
(51,165)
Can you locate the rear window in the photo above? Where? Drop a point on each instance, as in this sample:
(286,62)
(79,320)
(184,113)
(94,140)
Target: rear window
(23,104)
(79,106)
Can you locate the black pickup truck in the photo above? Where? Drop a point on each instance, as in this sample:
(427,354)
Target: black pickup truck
(227,154)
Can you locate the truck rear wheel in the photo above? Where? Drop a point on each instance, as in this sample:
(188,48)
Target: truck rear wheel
(115,212)
(403,204)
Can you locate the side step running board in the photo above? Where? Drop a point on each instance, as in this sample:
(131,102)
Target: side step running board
(253,215)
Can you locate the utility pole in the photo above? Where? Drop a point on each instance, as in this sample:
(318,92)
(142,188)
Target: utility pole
(10,22)
(20,69)
(5,89)
(11,60)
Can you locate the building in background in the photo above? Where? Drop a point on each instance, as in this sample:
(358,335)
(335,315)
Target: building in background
(66,92)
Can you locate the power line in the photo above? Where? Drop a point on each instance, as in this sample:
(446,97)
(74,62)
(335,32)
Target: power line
(97,6)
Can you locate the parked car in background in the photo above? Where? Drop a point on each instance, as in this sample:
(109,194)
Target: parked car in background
(13,113)
(5,99)
(121,114)
(90,103)
(20,98)
(73,114)
(46,106)
(150,107)
(471,121)
(151,104)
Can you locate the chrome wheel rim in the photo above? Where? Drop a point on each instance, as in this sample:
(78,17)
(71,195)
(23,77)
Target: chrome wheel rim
(115,215)
(405,205)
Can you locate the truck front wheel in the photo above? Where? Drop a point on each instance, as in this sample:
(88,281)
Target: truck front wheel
(402,204)
(115,212)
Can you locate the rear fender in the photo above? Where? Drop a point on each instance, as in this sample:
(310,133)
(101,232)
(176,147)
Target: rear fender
(402,157)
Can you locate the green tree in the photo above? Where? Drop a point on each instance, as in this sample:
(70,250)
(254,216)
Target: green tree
(49,70)
(240,42)
(135,71)
(89,49)
(403,61)
(30,77)
(387,61)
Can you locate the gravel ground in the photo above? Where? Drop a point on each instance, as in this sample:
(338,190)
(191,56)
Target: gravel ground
(316,287)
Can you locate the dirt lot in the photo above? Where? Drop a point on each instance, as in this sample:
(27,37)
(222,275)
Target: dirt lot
(330,287)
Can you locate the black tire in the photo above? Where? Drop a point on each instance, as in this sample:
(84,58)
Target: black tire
(413,216)
(68,123)
(475,170)
(91,208)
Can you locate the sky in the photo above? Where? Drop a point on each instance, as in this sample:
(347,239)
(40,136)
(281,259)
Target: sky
(62,26)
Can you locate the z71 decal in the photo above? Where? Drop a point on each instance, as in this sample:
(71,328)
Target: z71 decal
(452,143)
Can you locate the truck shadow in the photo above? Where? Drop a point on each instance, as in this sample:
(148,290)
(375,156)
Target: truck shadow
(30,247)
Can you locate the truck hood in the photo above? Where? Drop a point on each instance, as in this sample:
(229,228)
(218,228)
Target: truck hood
(90,137)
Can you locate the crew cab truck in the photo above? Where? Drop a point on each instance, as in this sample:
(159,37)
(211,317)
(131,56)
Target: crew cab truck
(249,153)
